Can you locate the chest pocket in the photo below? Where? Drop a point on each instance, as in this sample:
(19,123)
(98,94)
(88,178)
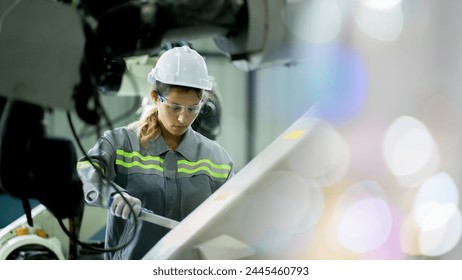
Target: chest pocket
(195,190)
(198,181)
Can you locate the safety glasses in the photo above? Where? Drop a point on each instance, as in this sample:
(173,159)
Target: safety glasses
(178,109)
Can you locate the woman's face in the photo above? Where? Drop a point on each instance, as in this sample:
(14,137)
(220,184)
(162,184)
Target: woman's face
(177,110)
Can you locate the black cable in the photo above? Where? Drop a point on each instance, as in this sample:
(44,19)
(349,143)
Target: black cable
(135,220)
(27,210)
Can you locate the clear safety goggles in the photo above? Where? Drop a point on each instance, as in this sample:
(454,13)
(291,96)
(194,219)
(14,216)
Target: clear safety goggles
(178,109)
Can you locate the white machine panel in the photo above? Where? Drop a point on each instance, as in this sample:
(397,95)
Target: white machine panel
(269,209)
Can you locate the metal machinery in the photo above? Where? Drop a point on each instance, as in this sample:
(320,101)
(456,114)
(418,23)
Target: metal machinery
(44,240)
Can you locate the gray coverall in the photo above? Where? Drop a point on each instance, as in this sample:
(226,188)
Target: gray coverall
(170,183)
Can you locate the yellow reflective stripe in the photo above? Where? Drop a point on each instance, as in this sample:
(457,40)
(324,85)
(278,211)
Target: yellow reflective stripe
(222,170)
(133,154)
(214,165)
(139,164)
(204,168)
(84,164)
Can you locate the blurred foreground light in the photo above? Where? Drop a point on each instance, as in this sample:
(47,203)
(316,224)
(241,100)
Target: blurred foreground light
(380,4)
(313,21)
(440,188)
(365,225)
(322,157)
(438,238)
(364,141)
(335,77)
(316,207)
(410,151)
(431,216)
(363,218)
(381,20)
(409,236)
(273,213)
(434,225)
(437,215)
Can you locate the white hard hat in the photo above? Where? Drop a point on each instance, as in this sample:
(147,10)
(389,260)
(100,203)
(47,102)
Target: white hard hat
(181,66)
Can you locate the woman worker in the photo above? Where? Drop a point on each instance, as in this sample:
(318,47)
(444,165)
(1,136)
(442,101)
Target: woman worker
(157,162)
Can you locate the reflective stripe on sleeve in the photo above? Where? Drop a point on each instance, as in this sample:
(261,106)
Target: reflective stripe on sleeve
(86,163)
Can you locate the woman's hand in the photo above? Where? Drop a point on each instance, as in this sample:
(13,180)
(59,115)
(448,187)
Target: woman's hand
(119,206)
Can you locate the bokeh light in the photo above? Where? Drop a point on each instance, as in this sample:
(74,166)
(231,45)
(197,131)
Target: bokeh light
(313,21)
(335,78)
(433,226)
(390,248)
(323,156)
(437,215)
(380,4)
(364,141)
(409,236)
(362,218)
(436,241)
(317,206)
(439,188)
(269,216)
(365,225)
(409,151)
(381,20)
